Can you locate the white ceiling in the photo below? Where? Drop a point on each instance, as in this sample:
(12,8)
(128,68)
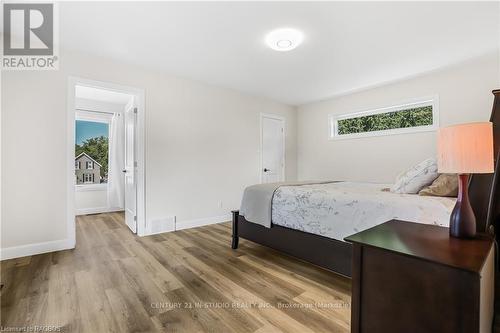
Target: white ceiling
(102,95)
(347,46)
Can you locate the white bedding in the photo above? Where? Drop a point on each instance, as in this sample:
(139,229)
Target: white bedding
(337,210)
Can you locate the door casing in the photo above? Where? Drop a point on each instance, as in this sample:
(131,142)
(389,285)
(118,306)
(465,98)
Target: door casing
(142,227)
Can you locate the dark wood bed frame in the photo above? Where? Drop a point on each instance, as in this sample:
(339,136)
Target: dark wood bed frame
(336,255)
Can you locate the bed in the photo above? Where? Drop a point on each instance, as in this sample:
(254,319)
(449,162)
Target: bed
(310,221)
(339,209)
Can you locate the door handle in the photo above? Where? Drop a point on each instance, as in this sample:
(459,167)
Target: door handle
(124,170)
(266,170)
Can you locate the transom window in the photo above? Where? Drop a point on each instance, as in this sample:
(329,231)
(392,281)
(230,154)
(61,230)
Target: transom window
(415,116)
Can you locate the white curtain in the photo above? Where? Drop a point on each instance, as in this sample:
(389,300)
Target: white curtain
(116,163)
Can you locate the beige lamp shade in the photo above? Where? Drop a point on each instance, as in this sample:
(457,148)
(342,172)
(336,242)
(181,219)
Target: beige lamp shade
(466,148)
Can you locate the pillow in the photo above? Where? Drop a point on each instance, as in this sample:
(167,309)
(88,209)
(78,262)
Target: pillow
(446,185)
(414,179)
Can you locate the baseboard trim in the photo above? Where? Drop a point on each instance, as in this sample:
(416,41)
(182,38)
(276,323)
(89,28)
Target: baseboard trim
(37,248)
(180,225)
(97,210)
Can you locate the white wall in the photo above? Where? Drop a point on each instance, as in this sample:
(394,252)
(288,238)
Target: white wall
(464,95)
(91,201)
(201,146)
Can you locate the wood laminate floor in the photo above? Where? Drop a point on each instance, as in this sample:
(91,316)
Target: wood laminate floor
(184,281)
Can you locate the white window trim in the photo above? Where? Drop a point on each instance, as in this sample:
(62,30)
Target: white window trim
(96,117)
(91,187)
(417,102)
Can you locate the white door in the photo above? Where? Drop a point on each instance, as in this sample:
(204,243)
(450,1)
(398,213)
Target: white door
(272,149)
(130,169)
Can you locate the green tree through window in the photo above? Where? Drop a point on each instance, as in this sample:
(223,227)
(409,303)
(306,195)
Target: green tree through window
(414,117)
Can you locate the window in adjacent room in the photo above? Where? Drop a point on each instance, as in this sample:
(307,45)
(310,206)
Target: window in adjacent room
(91,150)
(415,116)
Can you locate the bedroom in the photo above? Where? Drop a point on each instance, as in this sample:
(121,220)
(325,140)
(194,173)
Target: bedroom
(207,79)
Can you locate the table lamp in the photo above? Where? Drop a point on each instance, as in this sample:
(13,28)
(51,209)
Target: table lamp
(465,149)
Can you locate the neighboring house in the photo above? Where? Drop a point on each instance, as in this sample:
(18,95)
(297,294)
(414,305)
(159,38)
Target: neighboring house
(87,170)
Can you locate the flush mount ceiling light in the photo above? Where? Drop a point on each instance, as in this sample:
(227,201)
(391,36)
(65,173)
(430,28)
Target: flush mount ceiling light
(285,39)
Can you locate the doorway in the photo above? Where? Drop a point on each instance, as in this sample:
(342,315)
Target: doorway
(106,152)
(272,130)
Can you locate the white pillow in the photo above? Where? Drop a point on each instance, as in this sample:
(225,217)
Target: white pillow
(416,178)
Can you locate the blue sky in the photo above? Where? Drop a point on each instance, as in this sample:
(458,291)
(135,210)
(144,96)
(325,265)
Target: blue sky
(89,129)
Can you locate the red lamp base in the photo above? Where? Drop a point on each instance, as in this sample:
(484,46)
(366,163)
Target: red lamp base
(462,219)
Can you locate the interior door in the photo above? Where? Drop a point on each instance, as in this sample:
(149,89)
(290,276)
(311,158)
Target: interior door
(272,150)
(130,168)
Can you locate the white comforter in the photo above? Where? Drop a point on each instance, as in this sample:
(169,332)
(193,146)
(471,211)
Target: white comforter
(337,210)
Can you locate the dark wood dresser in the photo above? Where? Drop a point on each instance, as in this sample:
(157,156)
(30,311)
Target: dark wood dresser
(412,277)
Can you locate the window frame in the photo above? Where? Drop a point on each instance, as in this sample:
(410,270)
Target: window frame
(88,176)
(91,187)
(433,101)
(96,117)
(93,116)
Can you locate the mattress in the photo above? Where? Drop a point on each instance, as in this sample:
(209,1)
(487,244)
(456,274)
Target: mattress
(337,210)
